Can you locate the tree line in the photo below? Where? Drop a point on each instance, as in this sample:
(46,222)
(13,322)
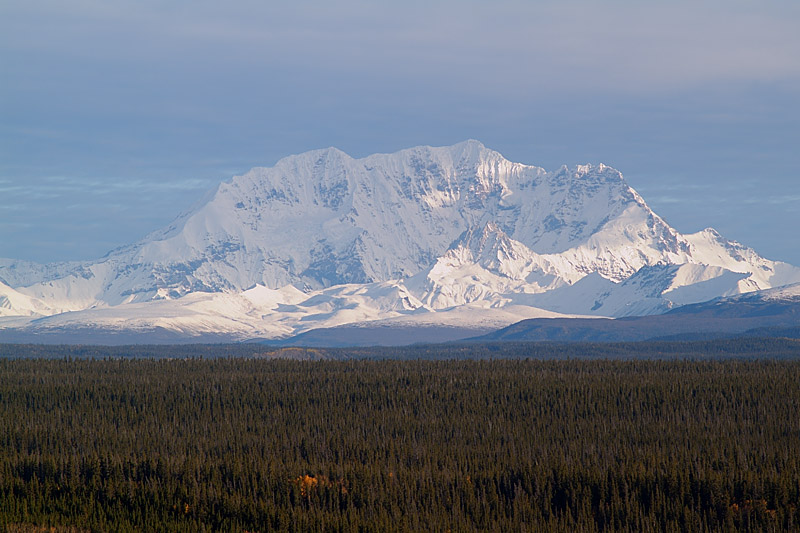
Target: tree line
(741,348)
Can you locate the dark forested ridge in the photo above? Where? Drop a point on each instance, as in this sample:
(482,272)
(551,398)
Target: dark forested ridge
(232,444)
(744,315)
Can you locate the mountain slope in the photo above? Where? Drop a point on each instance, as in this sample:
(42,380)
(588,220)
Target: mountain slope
(486,264)
(14,303)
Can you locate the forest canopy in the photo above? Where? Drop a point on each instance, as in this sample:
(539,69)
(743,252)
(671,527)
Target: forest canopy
(249,444)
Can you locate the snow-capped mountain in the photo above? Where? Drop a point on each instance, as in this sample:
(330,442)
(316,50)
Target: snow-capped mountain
(335,240)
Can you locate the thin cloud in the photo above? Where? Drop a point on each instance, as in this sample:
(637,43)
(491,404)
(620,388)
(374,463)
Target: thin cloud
(793,199)
(62,184)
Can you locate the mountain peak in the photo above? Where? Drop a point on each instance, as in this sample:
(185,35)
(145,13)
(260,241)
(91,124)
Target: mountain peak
(469,150)
(486,239)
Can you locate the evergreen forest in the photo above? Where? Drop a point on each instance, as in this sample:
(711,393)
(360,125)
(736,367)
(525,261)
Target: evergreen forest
(521,444)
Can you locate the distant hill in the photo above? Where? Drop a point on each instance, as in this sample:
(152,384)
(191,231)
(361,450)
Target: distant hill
(769,313)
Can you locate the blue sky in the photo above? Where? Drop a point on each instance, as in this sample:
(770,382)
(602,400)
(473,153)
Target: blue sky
(116,116)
